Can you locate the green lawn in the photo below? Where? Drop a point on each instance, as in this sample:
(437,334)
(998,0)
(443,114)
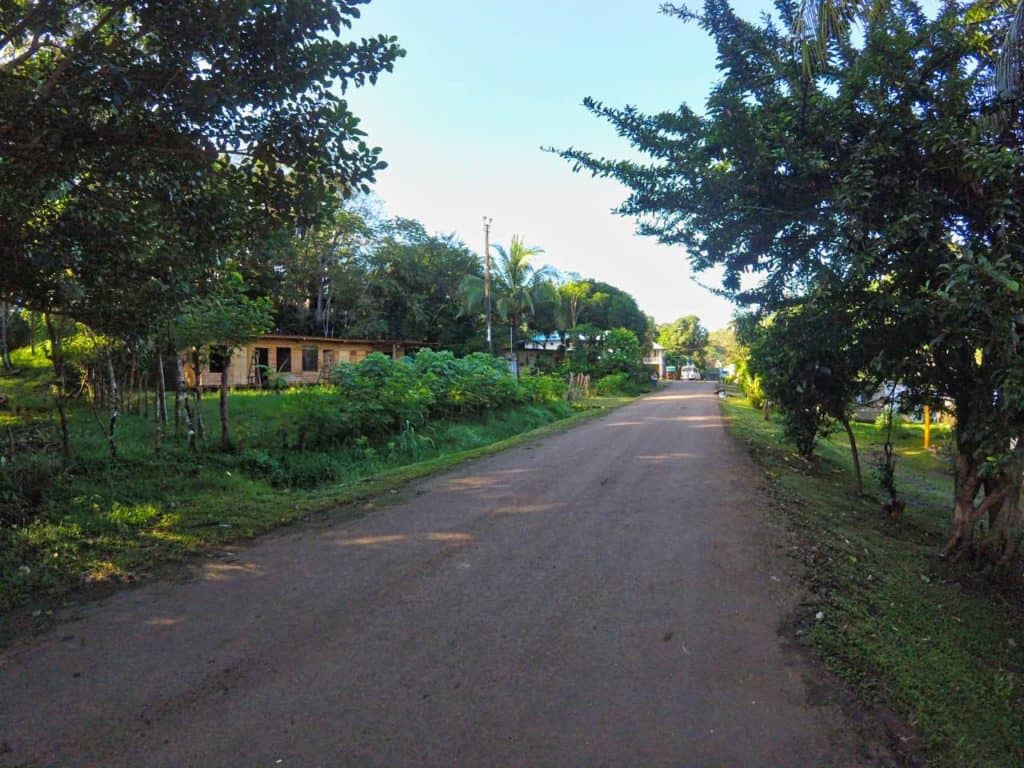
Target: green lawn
(28,398)
(944,654)
(99,521)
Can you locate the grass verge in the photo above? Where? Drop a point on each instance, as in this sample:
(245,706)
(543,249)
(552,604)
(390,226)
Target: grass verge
(944,655)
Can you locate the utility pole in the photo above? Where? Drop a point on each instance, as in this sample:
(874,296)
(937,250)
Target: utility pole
(487,279)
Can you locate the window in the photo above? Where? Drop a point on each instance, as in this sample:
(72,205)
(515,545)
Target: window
(310,359)
(261,366)
(217,357)
(352,355)
(284,359)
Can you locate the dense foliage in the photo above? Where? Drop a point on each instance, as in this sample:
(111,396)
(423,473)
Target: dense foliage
(380,396)
(359,276)
(142,142)
(684,340)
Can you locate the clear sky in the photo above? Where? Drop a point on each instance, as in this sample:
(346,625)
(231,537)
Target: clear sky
(485,84)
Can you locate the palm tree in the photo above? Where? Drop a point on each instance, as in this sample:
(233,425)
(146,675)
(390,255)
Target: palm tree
(819,21)
(516,286)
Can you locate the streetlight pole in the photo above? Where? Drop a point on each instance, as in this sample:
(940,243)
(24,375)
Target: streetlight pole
(487,279)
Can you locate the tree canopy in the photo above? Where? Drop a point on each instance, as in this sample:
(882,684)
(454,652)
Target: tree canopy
(143,142)
(684,338)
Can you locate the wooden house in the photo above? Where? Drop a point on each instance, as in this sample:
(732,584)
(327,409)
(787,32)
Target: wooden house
(292,360)
(654,359)
(553,348)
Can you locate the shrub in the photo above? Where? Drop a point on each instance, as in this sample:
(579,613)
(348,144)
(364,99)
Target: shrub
(802,426)
(259,464)
(613,384)
(543,388)
(621,353)
(380,396)
(23,482)
(750,384)
(306,470)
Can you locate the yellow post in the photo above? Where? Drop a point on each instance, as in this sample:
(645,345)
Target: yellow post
(927,427)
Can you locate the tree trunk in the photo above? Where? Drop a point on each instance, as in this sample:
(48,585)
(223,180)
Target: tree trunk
(179,388)
(181,396)
(160,414)
(111,440)
(856,457)
(161,390)
(225,434)
(144,391)
(999,548)
(5,349)
(320,315)
(966,484)
(134,394)
(57,358)
(198,415)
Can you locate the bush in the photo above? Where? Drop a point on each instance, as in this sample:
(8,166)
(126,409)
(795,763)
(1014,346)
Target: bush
(882,420)
(621,353)
(750,384)
(802,426)
(543,388)
(259,464)
(307,470)
(613,384)
(380,396)
(23,483)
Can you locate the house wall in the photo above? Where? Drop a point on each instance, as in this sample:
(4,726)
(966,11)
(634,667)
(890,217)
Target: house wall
(329,352)
(656,361)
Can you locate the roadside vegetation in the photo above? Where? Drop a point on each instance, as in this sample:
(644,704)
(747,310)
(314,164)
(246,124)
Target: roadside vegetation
(95,519)
(943,653)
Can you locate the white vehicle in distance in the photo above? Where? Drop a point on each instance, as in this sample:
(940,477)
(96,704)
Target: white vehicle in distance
(690,372)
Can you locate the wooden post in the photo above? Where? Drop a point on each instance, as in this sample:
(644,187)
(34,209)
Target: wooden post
(927,427)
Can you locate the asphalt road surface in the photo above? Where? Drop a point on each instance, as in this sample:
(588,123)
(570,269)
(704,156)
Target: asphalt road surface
(607,596)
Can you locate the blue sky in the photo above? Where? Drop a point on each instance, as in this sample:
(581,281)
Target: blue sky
(486,84)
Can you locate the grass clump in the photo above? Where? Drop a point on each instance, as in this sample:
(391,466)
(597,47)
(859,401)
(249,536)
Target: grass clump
(943,653)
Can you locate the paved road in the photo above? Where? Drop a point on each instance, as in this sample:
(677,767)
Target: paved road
(601,598)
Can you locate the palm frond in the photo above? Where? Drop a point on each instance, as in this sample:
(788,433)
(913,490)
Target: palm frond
(471,293)
(1011,58)
(819,22)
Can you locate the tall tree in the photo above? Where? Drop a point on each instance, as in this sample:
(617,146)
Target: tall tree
(144,144)
(608,306)
(138,138)
(574,295)
(316,274)
(517,286)
(684,338)
(413,286)
(6,316)
(723,346)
